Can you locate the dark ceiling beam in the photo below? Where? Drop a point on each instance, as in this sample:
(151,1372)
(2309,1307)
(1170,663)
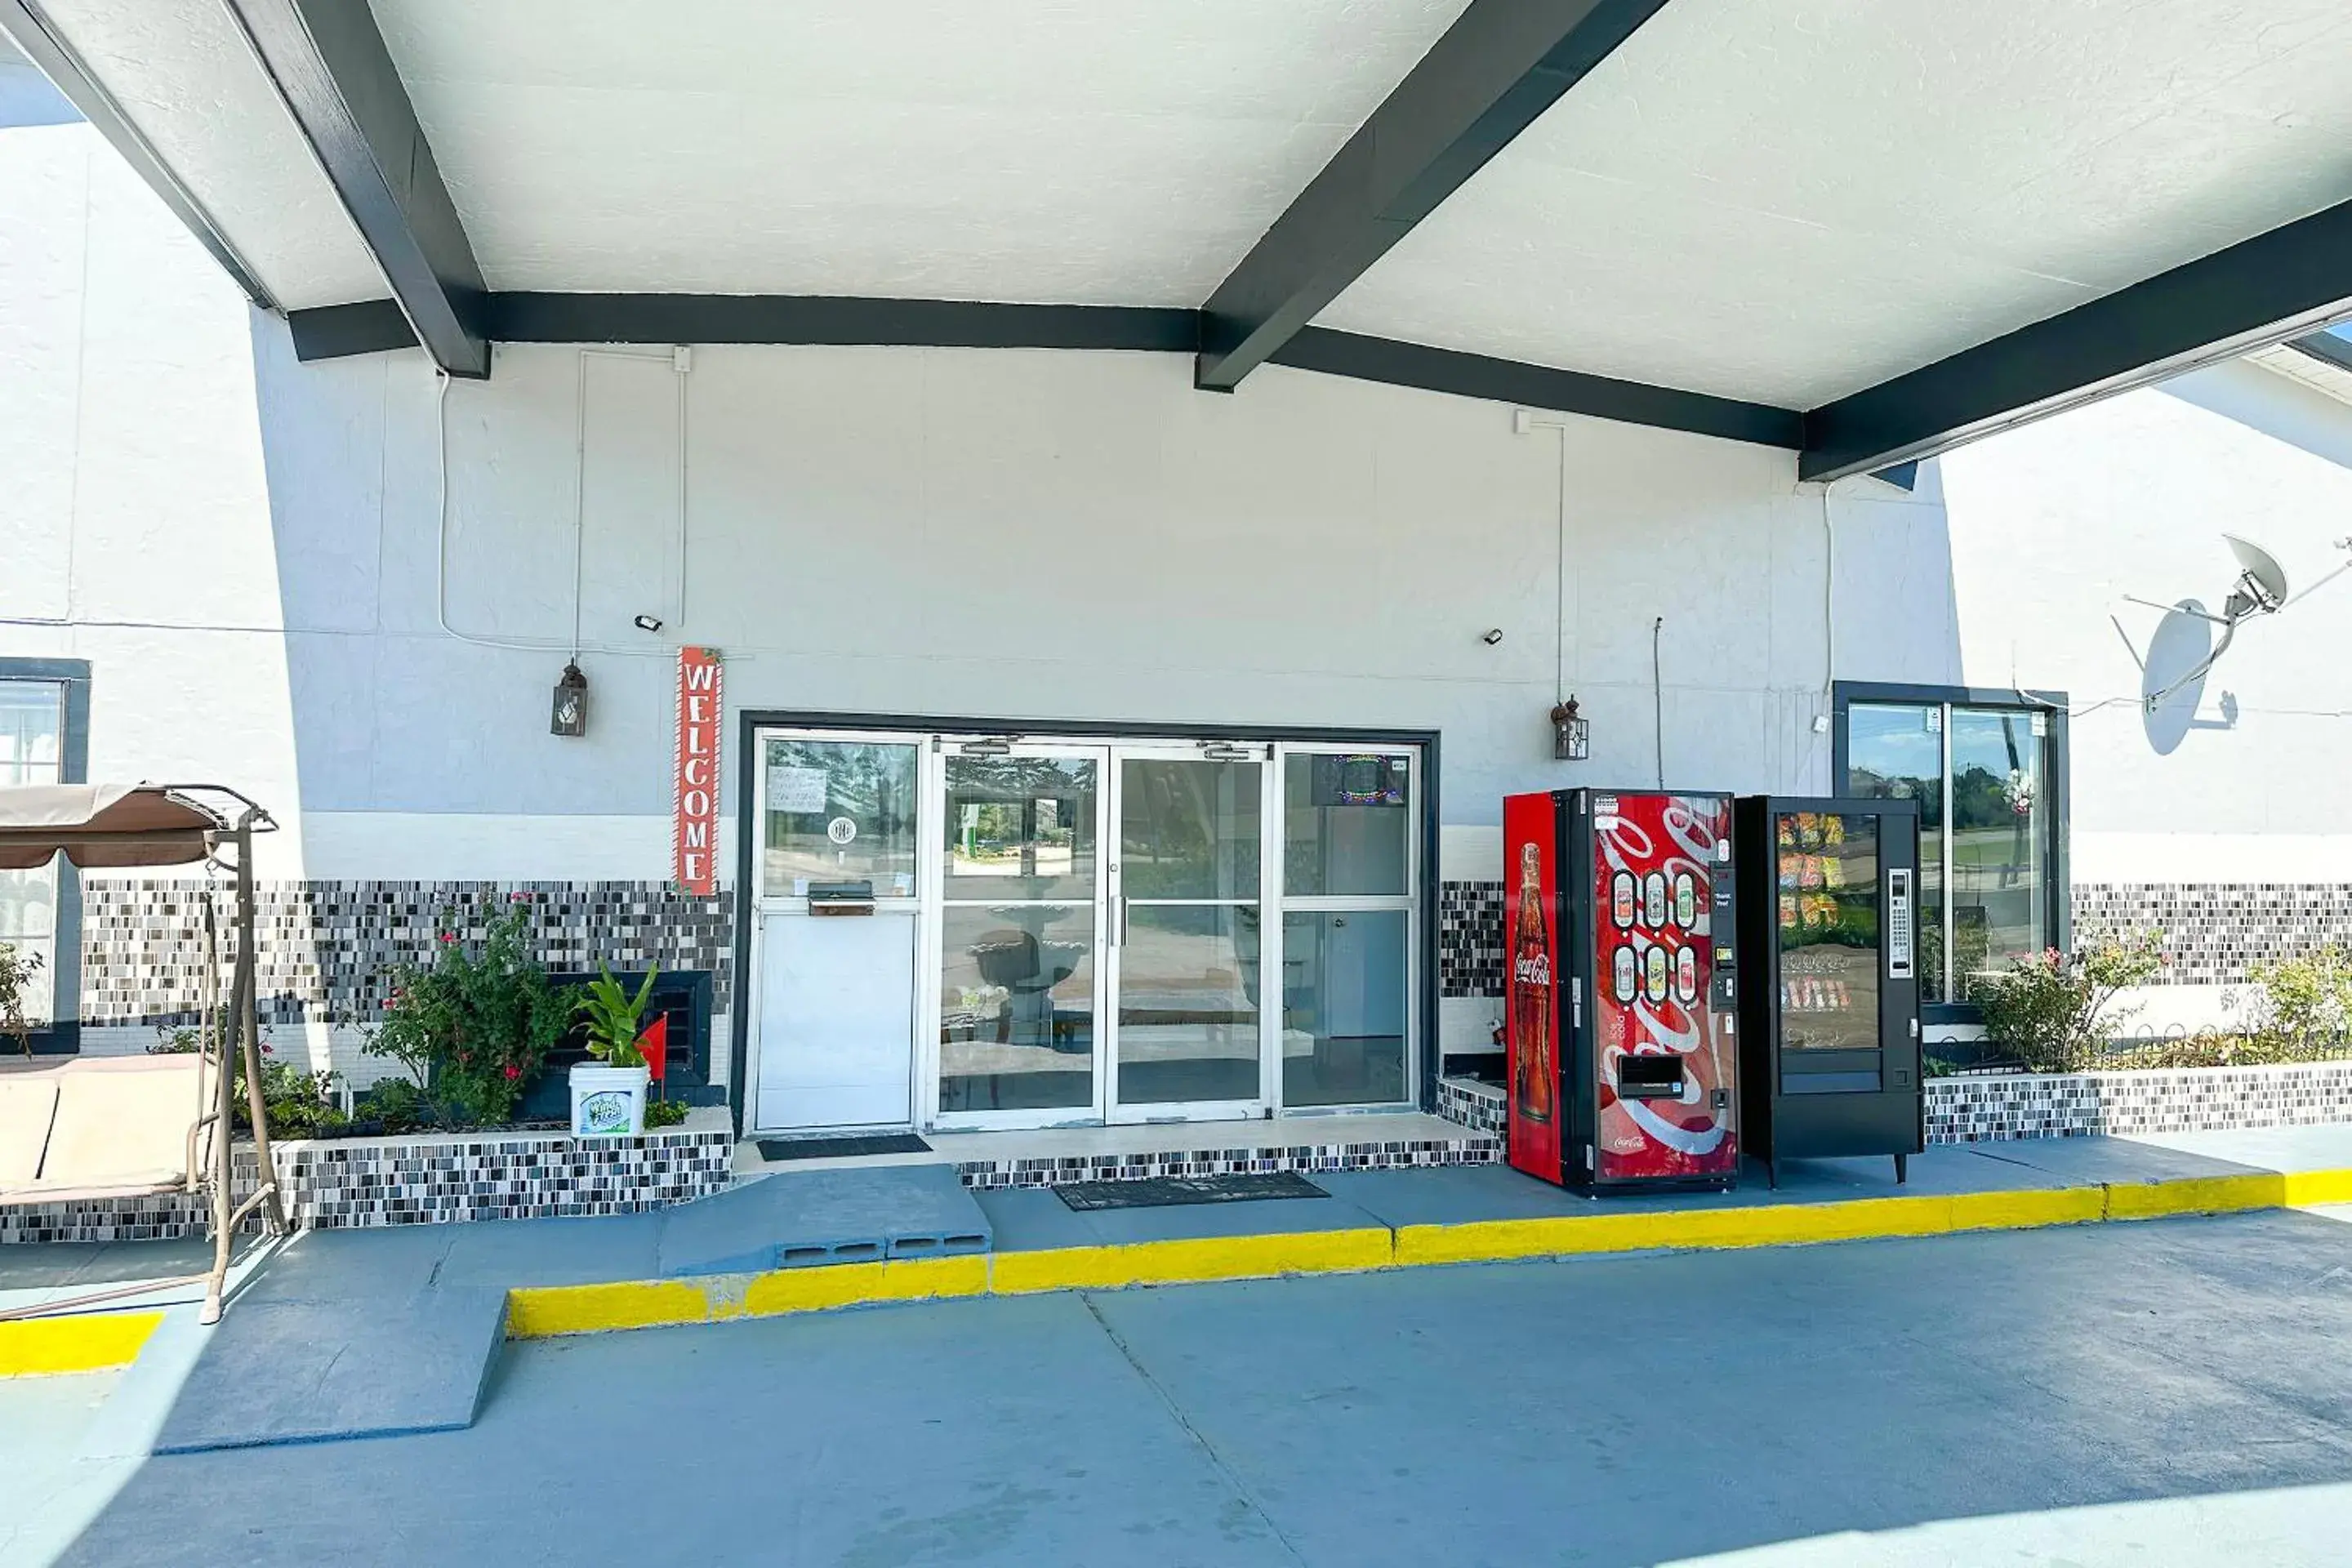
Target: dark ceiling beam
(836,320)
(806,319)
(2271,289)
(1539,386)
(329,66)
(25,21)
(1499,67)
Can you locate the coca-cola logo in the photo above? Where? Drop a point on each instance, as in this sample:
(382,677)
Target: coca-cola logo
(1533,969)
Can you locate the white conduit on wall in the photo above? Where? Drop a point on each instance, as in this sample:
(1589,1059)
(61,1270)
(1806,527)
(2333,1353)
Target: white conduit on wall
(681,365)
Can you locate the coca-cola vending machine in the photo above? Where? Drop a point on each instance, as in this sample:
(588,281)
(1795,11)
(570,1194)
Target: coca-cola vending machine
(1620,989)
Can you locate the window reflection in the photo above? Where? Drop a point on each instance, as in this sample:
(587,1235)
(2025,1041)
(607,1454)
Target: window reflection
(1999,838)
(1896,752)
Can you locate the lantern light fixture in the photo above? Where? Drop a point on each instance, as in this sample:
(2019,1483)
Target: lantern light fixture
(1572,735)
(569,716)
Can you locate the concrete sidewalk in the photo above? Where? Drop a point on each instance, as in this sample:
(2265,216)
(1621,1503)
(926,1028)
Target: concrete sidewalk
(405,1325)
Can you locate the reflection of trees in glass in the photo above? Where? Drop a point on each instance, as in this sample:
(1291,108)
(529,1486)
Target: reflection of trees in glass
(872,786)
(1189,830)
(1001,807)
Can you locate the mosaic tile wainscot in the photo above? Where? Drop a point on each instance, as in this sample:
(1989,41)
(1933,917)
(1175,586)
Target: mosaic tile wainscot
(337,1183)
(2120,1104)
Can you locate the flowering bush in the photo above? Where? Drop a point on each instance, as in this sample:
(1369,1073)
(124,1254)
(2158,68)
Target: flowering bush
(2057,1010)
(474,1027)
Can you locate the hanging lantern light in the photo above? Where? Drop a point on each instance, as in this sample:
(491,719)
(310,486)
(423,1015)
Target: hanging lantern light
(1571,735)
(570,715)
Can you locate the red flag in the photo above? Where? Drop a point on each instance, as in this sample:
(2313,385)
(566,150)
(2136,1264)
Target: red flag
(654,1046)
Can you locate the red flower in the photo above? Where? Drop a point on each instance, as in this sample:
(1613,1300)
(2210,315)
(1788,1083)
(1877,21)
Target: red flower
(448,936)
(513,1071)
(518,897)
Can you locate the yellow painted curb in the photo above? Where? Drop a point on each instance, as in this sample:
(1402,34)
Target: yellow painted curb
(536,1313)
(1189,1261)
(2309,1187)
(93,1342)
(2196,1195)
(544,1311)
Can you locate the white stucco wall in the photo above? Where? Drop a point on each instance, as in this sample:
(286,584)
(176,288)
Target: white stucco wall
(244,549)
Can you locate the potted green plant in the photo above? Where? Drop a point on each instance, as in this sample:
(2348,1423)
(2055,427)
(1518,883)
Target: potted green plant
(609,1099)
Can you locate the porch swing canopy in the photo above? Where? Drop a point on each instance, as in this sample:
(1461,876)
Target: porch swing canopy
(109,825)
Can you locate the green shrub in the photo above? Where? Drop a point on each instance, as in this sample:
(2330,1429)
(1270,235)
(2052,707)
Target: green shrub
(660,1113)
(2057,1010)
(17,972)
(474,1027)
(299,1103)
(2307,1005)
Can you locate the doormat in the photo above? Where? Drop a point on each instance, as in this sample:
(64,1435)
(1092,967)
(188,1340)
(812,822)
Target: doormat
(842,1147)
(1161,1191)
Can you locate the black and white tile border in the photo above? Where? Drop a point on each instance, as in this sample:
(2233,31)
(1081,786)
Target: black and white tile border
(1471,1149)
(342,1184)
(2121,1104)
(1476,1105)
(2075,1105)
(323,943)
(2215,933)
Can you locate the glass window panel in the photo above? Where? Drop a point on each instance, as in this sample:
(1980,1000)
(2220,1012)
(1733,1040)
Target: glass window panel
(1346,826)
(1016,1008)
(1896,752)
(28,902)
(2001,839)
(1020,828)
(32,722)
(1343,1008)
(839,811)
(1828,920)
(1188,828)
(1188,1004)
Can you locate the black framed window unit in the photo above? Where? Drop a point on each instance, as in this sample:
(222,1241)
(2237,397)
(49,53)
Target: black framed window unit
(44,739)
(1989,771)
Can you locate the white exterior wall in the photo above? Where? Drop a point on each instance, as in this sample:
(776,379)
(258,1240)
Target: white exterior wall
(244,549)
(2056,524)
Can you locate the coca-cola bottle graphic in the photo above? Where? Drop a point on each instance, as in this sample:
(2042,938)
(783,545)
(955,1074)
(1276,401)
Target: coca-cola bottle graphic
(1531,994)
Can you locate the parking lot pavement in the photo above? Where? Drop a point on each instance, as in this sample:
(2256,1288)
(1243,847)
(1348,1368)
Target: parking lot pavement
(2170,1391)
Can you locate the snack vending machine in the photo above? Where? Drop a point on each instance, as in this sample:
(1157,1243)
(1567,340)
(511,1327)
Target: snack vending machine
(1830,930)
(1619,964)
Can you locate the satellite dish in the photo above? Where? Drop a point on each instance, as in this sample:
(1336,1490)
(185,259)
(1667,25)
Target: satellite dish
(2261,589)
(2261,580)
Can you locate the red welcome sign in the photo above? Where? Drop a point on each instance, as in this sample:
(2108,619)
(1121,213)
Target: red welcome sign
(695,836)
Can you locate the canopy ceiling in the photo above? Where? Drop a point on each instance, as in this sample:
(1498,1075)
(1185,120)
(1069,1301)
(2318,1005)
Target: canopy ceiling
(1864,230)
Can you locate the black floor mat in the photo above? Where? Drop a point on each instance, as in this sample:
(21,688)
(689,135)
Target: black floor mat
(842,1147)
(1161,1192)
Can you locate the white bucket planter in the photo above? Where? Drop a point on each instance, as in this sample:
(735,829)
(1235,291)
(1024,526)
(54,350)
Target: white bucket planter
(608,1102)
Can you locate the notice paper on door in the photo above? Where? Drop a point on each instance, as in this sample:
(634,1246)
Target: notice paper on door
(796,789)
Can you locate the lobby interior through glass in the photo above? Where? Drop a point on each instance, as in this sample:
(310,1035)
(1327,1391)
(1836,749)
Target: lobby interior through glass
(1084,930)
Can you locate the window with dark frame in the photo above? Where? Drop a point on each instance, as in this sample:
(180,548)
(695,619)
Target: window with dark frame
(1988,771)
(44,740)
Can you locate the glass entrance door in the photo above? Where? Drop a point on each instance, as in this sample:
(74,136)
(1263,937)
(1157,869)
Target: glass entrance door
(1189,1011)
(1019,841)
